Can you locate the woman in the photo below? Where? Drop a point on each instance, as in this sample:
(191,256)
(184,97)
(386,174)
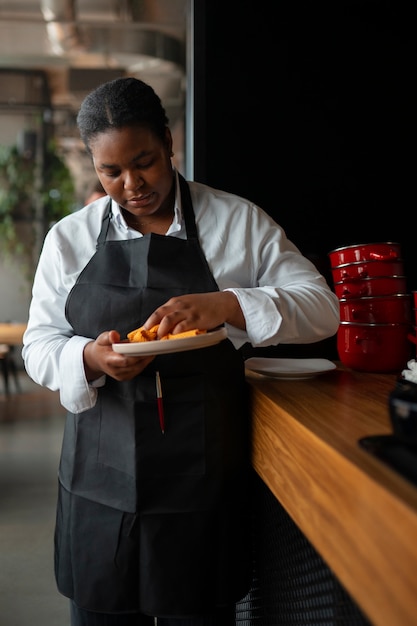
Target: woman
(151,524)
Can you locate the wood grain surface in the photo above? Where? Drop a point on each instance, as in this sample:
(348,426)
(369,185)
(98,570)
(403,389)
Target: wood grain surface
(12,334)
(359,514)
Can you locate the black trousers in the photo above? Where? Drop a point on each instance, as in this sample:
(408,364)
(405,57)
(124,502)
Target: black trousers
(80,617)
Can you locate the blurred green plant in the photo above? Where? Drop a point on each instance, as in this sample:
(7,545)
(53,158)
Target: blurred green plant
(31,198)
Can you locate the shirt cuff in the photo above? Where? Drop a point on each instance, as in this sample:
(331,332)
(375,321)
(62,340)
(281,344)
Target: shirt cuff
(76,393)
(259,329)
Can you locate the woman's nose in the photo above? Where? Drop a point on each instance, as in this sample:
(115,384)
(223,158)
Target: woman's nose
(133,180)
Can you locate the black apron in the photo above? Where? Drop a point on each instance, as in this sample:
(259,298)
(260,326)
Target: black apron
(151,522)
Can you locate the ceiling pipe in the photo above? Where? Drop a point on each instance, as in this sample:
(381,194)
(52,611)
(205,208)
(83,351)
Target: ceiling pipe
(124,36)
(60,18)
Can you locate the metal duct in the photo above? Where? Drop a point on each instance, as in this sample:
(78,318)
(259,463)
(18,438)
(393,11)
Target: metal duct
(60,18)
(123,36)
(72,40)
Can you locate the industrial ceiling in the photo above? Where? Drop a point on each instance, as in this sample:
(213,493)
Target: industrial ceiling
(72,46)
(81,43)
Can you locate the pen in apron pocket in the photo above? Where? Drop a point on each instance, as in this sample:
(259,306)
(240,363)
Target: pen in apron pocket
(159,402)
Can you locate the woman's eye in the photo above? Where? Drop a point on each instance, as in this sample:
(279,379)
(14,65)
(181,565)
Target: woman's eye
(144,165)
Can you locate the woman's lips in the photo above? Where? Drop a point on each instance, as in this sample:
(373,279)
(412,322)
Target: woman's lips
(140,201)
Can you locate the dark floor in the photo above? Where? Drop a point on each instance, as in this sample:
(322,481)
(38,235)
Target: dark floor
(31,426)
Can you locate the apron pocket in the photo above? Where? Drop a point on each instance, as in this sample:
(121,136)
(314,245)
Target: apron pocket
(181,449)
(130,434)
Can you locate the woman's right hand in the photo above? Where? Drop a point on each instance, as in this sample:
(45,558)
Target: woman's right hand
(100,359)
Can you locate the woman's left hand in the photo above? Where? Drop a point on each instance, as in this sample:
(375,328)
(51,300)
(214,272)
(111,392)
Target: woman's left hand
(100,358)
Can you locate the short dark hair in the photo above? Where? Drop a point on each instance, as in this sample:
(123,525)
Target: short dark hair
(119,103)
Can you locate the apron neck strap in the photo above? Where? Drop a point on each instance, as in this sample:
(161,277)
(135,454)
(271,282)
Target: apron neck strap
(187,209)
(105,225)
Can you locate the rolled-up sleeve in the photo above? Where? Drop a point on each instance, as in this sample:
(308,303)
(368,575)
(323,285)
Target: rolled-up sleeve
(76,393)
(283,297)
(52,354)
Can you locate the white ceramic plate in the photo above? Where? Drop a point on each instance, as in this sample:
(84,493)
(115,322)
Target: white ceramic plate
(295,369)
(171,345)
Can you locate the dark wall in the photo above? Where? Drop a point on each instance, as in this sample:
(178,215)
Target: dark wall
(308,109)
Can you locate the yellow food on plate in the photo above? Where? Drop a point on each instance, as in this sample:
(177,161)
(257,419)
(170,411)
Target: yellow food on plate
(142,334)
(186,333)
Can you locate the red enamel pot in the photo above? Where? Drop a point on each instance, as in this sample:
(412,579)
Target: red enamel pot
(374,347)
(365,252)
(394,309)
(367,269)
(373,286)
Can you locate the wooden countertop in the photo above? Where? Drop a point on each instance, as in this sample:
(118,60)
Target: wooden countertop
(360,515)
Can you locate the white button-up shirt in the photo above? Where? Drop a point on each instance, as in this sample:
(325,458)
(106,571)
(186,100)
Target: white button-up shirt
(283,297)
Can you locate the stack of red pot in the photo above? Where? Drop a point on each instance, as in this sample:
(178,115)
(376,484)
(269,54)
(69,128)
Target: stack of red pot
(375,308)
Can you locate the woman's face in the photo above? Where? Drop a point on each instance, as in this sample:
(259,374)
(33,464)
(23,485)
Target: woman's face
(134,167)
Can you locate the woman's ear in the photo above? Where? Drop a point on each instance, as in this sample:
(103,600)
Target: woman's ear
(168,141)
